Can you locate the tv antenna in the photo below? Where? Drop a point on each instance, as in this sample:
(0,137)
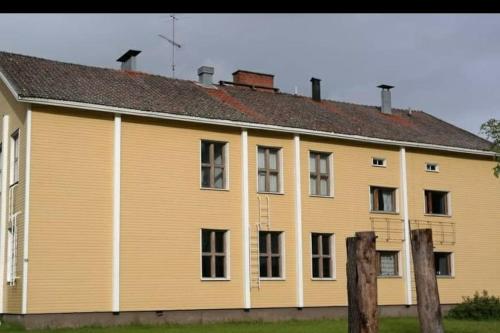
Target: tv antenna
(172,42)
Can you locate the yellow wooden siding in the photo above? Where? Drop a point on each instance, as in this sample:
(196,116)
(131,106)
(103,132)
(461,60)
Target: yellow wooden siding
(17,117)
(475,212)
(163,210)
(71,211)
(345,213)
(281,292)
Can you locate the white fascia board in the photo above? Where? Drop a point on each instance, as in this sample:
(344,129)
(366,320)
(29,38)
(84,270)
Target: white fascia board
(169,116)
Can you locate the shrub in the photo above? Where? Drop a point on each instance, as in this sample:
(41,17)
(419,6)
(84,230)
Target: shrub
(479,307)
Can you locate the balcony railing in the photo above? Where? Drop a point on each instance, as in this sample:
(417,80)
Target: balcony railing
(392,229)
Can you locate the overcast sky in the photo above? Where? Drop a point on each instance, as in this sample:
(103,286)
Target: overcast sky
(446,65)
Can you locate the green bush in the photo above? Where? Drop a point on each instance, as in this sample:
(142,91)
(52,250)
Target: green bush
(479,307)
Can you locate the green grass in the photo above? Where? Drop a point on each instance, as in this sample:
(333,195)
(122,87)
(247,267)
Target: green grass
(387,325)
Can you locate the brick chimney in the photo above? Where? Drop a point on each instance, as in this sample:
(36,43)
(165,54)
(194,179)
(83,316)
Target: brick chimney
(254,79)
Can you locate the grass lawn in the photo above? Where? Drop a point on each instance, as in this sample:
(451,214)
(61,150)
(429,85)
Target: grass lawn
(387,325)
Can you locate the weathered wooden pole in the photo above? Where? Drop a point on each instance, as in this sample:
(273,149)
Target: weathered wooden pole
(429,307)
(362,283)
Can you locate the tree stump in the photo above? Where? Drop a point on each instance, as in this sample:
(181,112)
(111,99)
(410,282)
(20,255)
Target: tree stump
(362,283)
(429,307)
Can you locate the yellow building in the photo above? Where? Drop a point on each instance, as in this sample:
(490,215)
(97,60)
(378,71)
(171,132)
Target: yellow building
(128,196)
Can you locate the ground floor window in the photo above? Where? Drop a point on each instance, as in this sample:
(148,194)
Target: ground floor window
(214,253)
(322,263)
(388,263)
(442,263)
(270,256)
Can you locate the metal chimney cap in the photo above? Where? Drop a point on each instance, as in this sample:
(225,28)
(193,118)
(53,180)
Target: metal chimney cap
(206,70)
(313,79)
(127,55)
(385,86)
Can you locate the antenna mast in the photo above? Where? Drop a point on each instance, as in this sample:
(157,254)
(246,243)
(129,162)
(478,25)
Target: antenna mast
(172,41)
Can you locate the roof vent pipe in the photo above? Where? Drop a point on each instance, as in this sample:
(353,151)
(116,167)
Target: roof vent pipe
(386,98)
(205,75)
(316,89)
(128,60)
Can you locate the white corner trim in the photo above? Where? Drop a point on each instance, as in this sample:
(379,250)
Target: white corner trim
(298,225)
(116,212)
(3,205)
(245,219)
(26,210)
(221,122)
(407,245)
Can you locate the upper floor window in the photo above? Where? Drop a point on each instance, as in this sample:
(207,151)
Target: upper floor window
(213,256)
(270,255)
(319,177)
(383,199)
(432,167)
(322,263)
(436,202)
(269,169)
(213,164)
(14,157)
(378,162)
(442,263)
(387,263)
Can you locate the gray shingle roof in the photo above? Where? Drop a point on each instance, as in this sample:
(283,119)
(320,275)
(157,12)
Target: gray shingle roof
(41,78)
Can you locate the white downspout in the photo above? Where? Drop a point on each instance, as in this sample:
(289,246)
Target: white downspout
(3,205)
(116,212)
(298,225)
(26,210)
(407,243)
(245,219)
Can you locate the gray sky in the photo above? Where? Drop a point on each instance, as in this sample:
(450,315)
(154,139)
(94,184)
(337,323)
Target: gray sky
(447,65)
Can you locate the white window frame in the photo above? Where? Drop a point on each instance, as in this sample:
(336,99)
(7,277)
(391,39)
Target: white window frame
(400,266)
(452,264)
(282,257)
(281,162)
(396,200)
(226,165)
(429,164)
(384,162)
(227,239)
(330,174)
(14,143)
(448,203)
(333,257)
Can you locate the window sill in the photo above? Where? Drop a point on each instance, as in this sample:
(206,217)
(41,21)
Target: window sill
(389,277)
(379,166)
(323,279)
(321,196)
(445,277)
(437,215)
(215,279)
(214,189)
(431,171)
(383,212)
(272,279)
(275,193)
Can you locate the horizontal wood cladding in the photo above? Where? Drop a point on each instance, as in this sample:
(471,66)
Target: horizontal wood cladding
(71,211)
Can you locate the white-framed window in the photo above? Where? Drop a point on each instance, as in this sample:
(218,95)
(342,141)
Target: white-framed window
(14,157)
(437,202)
(271,254)
(12,251)
(269,166)
(379,162)
(383,199)
(323,255)
(443,263)
(213,164)
(320,174)
(432,167)
(214,254)
(387,263)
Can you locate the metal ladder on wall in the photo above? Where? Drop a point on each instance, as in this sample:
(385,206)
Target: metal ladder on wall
(264,223)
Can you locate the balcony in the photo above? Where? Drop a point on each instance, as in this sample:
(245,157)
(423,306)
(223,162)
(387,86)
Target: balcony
(388,229)
(443,232)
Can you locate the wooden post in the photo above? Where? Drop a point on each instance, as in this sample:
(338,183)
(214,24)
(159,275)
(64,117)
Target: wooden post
(429,307)
(362,283)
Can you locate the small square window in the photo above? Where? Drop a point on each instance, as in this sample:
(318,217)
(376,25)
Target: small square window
(432,167)
(378,162)
(387,263)
(442,263)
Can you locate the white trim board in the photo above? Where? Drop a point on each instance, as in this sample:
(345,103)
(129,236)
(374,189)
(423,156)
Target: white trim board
(3,204)
(299,273)
(26,210)
(116,213)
